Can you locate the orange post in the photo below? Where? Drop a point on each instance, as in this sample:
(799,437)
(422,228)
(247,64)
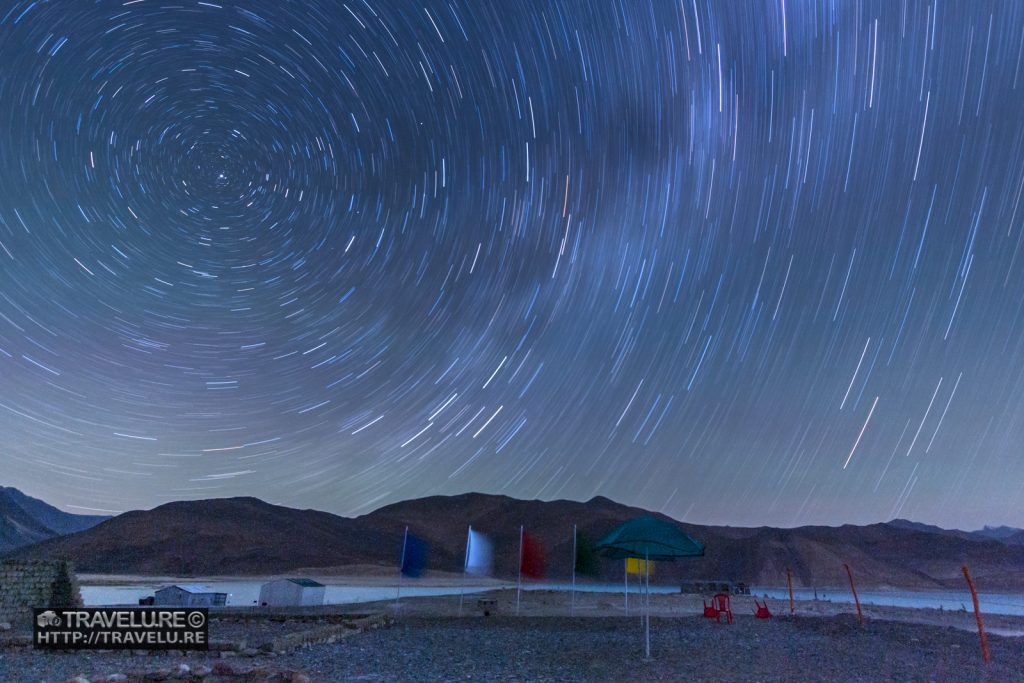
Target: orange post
(977,614)
(856,600)
(789,580)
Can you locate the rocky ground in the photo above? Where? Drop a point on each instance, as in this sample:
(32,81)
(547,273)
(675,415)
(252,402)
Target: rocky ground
(427,641)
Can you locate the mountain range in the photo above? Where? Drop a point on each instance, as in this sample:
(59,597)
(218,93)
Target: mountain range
(246,536)
(25,520)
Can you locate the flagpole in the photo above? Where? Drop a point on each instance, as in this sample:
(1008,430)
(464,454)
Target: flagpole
(519,577)
(625,592)
(572,593)
(401,566)
(462,592)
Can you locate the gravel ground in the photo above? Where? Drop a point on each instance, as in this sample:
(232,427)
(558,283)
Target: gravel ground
(689,648)
(534,648)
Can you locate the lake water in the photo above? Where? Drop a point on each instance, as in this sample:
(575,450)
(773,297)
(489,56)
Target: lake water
(246,593)
(990,603)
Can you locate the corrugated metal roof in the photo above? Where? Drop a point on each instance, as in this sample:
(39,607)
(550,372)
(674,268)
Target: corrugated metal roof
(191,588)
(306,583)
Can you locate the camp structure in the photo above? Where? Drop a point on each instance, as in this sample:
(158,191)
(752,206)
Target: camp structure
(189,595)
(649,538)
(291,593)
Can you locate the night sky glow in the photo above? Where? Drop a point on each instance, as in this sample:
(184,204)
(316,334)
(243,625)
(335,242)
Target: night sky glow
(740,262)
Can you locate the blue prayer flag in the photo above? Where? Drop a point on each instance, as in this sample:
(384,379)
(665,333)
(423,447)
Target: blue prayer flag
(414,555)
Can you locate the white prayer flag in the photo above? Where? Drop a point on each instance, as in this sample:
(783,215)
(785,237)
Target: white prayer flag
(479,554)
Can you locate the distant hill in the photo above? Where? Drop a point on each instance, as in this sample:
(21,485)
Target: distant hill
(1014,539)
(932,529)
(245,536)
(25,520)
(1007,534)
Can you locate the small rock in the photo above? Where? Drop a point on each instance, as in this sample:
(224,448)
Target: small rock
(299,677)
(157,675)
(80,678)
(182,671)
(250,652)
(5,626)
(223,669)
(116,678)
(224,654)
(201,671)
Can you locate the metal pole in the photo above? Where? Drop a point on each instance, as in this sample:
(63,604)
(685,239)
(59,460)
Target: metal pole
(625,592)
(641,594)
(462,592)
(647,635)
(519,577)
(401,566)
(572,593)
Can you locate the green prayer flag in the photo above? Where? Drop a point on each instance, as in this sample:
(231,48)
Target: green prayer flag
(586,558)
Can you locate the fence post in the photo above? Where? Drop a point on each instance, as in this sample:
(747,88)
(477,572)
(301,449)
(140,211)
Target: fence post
(856,600)
(977,615)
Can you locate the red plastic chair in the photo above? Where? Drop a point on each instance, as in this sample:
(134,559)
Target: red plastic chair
(721,603)
(710,611)
(762,610)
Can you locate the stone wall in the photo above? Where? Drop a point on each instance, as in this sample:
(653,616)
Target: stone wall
(25,584)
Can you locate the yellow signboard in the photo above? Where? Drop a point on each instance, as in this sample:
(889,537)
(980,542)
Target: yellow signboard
(639,567)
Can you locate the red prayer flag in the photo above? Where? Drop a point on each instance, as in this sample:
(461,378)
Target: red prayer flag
(533,558)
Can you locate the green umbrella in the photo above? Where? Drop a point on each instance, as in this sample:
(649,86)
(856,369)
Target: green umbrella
(649,538)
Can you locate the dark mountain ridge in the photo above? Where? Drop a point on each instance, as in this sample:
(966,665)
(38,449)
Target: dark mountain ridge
(25,520)
(246,536)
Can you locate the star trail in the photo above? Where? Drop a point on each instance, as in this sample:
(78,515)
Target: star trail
(739,262)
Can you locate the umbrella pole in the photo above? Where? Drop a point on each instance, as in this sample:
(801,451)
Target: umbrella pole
(647,607)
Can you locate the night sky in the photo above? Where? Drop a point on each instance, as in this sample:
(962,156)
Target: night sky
(740,262)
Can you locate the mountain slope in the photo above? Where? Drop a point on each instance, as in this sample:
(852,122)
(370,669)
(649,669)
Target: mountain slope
(247,536)
(218,536)
(25,520)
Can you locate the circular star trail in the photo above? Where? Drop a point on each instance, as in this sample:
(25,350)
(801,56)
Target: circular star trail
(738,262)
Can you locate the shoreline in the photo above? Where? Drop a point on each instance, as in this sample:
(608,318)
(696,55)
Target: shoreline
(539,600)
(451,579)
(994,602)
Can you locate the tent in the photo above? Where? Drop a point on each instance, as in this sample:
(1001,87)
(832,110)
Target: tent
(649,538)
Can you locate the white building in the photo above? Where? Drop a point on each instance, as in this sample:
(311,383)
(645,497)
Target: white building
(189,595)
(291,593)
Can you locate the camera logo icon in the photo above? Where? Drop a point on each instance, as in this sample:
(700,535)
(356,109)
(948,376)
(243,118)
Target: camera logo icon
(48,618)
